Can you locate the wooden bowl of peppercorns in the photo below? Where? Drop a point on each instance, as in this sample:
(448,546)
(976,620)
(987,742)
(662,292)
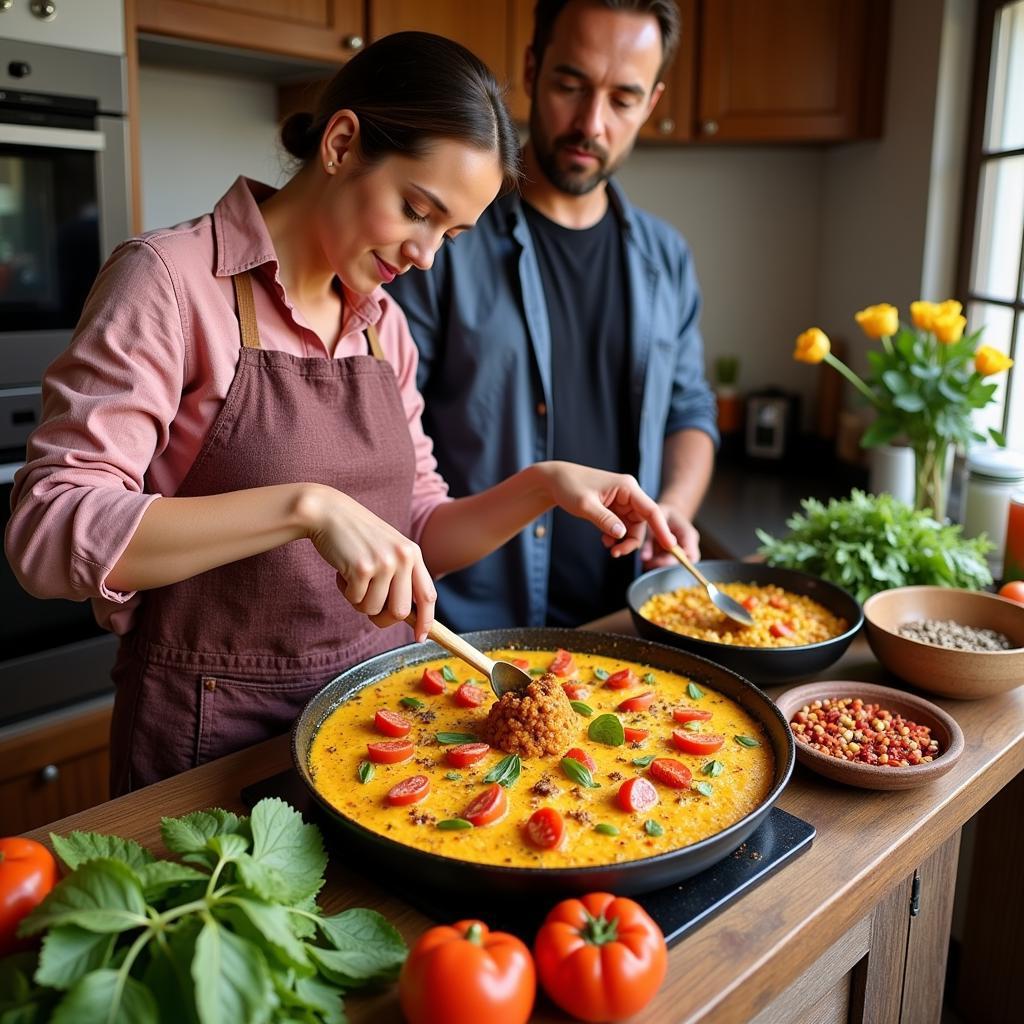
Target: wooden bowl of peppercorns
(870,736)
(908,626)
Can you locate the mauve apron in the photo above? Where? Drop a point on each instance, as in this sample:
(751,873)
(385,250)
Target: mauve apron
(229,657)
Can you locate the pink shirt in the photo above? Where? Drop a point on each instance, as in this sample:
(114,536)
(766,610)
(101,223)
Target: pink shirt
(127,406)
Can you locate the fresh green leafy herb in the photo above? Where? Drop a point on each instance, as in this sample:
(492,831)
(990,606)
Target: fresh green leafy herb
(452,776)
(237,936)
(694,691)
(506,771)
(643,762)
(535,671)
(713,768)
(704,788)
(607,729)
(581,709)
(693,726)
(454,824)
(366,771)
(650,677)
(746,741)
(448,675)
(446,739)
(411,702)
(653,828)
(866,543)
(601,674)
(579,773)
(605,829)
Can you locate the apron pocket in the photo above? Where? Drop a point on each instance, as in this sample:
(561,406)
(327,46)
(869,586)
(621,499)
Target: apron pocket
(236,713)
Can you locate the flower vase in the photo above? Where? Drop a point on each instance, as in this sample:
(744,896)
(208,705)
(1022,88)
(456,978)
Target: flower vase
(931,476)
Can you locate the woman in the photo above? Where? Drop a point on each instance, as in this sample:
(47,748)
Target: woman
(220,405)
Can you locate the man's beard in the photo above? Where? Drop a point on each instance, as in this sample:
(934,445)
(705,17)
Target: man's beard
(573,183)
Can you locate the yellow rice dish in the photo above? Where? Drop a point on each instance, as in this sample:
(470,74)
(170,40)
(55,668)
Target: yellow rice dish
(781,619)
(707,761)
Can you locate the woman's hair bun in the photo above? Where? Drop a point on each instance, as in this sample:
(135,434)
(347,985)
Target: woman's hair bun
(296,135)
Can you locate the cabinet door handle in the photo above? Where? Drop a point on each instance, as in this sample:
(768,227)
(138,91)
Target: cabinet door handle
(352,42)
(710,127)
(45,10)
(50,773)
(666,126)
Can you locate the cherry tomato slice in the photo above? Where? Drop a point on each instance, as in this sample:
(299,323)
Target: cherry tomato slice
(546,828)
(670,772)
(409,791)
(521,663)
(778,601)
(781,629)
(635,735)
(465,754)
(390,751)
(750,603)
(624,679)
(391,723)
(641,702)
(576,691)
(637,795)
(690,715)
(563,663)
(469,696)
(487,808)
(579,754)
(697,742)
(432,681)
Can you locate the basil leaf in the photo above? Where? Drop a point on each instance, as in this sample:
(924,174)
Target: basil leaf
(79,847)
(694,691)
(273,922)
(653,828)
(650,677)
(448,675)
(746,741)
(693,726)
(606,830)
(366,948)
(411,702)
(108,997)
(191,833)
(506,771)
(454,824)
(704,788)
(231,975)
(643,762)
(288,860)
(452,776)
(70,953)
(537,671)
(446,739)
(579,773)
(607,729)
(581,709)
(600,673)
(713,768)
(162,875)
(366,771)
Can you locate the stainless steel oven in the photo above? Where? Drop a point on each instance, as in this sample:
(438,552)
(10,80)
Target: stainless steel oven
(64,204)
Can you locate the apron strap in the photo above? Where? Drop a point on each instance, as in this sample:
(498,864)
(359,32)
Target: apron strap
(246,310)
(374,339)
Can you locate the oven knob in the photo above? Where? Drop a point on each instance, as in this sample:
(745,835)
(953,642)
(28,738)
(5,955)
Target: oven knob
(45,10)
(19,69)
(50,773)
(6,5)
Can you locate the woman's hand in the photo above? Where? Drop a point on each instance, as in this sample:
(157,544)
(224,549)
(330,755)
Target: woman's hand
(613,502)
(380,571)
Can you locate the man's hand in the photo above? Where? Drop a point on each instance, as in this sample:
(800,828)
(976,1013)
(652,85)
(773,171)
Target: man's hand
(654,555)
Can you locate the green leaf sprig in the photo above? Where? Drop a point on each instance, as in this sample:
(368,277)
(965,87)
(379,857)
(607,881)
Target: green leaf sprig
(608,729)
(506,771)
(579,773)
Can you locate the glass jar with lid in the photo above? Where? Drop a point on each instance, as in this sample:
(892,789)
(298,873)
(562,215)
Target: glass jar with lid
(993,475)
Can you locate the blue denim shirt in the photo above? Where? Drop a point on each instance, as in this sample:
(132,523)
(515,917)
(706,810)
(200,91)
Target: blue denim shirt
(480,321)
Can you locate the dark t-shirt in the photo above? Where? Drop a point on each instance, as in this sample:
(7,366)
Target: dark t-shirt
(585,285)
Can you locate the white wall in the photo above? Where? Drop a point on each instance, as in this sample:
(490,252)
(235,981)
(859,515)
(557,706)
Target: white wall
(198,132)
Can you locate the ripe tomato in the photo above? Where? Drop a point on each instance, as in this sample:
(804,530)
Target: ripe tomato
(27,873)
(432,681)
(600,957)
(546,829)
(469,696)
(487,808)
(409,791)
(637,795)
(634,735)
(750,603)
(670,772)
(521,663)
(390,751)
(624,679)
(697,742)
(778,601)
(690,715)
(781,629)
(1014,590)
(391,723)
(641,702)
(579,754)
(563,664)
(576,691)
(465,754)
(465,974)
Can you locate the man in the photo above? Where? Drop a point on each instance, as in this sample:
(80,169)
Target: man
(565,325)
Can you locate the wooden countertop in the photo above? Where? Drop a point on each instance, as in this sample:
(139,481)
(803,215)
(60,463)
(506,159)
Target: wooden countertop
(736,963)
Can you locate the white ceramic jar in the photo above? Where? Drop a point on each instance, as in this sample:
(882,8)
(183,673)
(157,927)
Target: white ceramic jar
(993,474)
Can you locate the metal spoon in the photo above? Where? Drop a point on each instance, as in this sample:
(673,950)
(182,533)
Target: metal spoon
(723,602)
(503,675)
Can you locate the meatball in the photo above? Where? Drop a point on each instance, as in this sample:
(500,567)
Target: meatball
(538,720)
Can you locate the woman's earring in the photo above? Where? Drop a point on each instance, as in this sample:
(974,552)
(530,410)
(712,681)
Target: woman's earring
(330,163)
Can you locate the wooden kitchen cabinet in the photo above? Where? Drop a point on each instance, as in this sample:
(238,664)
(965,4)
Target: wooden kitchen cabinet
(325,30)
(53,769)
(673,117)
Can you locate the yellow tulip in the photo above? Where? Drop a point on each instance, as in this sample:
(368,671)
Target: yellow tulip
(812,346)
(989,360)
(881,321)
(949,327)
(949,308)
(923,314)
